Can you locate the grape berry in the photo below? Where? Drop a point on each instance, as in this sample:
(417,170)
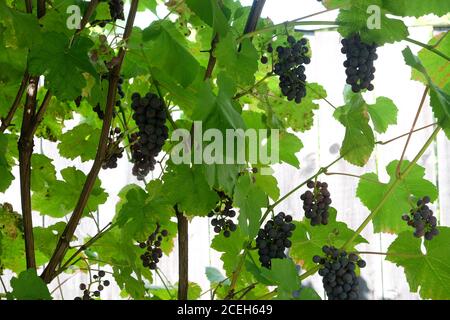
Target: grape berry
(273,239)
(150,116)
(359,64)
(221,214)
(316,202)
(291,70)
(337,270)
(152,248)
(422,219)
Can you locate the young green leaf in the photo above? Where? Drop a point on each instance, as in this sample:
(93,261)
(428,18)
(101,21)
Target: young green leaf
(29,286)
(427,272)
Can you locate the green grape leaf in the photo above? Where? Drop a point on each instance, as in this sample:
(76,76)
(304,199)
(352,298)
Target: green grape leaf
(358,19)
(54,59)
(289,146)
(307,293)
(307,241)
(284,275)
(383,113)
(46,238)
(426,273)
(29,286)
(211,13)
(102,11)
(149,4)
(240,65)
(268,184)
(81,141)
(371,191)
(22,29)
(417,8)
(59,199)
(6,177)
(164,48)
(222,176)
(185,187)
(359,140)
(436,66)
(440,99)
(230,248)
(250,199)
(138,212)
(299,117)
(43,173)
(218,112)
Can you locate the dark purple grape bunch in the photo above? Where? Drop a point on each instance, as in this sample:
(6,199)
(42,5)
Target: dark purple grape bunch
(316,202)
(337,269)
(152,246)
(114,150)
(273,239)
(97,283)
(422,219)
(291,70)
(150,116)
(116,9)
(222,215)
(359,65)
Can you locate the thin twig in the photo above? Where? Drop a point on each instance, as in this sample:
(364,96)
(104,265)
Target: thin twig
(406,134)
(397,170)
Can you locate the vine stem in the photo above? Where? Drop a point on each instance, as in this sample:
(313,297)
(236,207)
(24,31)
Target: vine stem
(392,188)
(67,235)
(183,255)
(405,134)
(428,47)
(419,109)
(25,146)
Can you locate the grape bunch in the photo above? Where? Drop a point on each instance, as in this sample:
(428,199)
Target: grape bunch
(273,239)
(152,248)
(337,270)
(359,64)
(150,116)
(114,151)
(116,9)
(316,202)
(221,215)
(422,219)
(101,284)
(290,68)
